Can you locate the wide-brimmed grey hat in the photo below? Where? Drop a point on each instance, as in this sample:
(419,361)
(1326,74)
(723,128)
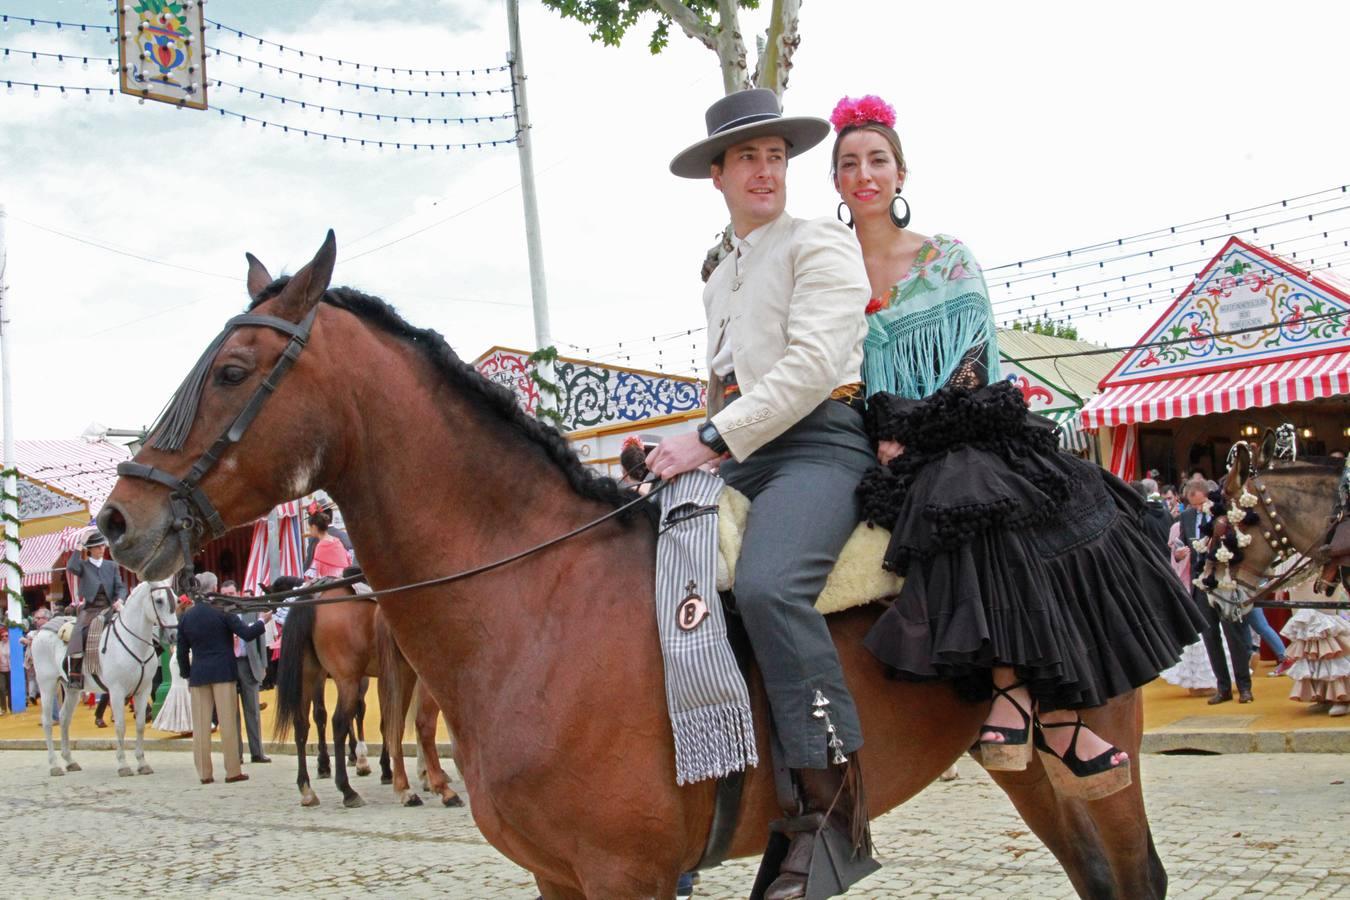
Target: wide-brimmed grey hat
(95,540)
(737,118)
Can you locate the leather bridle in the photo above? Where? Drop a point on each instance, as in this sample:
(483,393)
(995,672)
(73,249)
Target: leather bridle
(194,515)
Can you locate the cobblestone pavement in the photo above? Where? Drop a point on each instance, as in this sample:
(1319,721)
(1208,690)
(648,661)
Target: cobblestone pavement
(1233,826)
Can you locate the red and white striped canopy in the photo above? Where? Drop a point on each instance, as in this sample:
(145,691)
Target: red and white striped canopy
(259,571)
(1286,381)
(37,555)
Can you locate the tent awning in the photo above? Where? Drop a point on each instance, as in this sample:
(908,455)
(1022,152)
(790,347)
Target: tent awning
(1285,381)
(1071,437)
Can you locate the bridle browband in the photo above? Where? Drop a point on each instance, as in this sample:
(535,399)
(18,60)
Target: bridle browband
(193,512)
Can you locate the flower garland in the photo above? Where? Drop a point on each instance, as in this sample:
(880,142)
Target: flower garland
(10,558)
(544,360)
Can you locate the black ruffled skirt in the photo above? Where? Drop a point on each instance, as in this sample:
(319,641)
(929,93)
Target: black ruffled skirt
(1015,553)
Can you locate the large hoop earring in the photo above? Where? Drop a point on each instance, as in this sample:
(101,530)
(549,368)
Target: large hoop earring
(839,212)
(898,220)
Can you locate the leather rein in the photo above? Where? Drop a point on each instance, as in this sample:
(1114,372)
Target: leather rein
(195,515)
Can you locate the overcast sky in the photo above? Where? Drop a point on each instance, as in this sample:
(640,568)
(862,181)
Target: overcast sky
(1029,128)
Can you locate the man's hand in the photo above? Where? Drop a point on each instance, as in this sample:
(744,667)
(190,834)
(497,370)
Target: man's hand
(117,606)
(266,615)
(1180,553)
(679,454)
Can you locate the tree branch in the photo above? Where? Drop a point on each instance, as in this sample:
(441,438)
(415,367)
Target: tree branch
(731,49)
(688,21)
(783,39)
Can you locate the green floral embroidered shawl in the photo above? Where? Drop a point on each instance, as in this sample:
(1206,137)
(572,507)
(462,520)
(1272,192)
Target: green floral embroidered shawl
(918,335)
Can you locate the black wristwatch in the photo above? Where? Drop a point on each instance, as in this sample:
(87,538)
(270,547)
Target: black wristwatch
(712,438)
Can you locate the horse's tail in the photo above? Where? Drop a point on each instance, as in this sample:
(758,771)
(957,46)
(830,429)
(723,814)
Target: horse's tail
(297,645)
(389,684)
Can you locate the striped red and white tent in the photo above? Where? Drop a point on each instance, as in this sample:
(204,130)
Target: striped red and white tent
(38,555)
(259,569)
(1251,331)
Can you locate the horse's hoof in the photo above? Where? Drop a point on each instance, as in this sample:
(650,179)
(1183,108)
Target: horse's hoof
(353,802)
(73,767)
(310,799)
(454,800)
(144,770)
(363,770)
(386,779)
(412,800)
(325,773)
(126,772)
(57,770)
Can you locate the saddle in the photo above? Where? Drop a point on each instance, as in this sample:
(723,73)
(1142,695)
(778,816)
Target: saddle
(856,580)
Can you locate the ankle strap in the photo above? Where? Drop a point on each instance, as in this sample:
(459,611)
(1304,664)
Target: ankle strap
(1004,693)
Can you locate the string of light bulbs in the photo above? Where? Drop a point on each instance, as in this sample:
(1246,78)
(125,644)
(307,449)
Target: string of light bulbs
(323,58)
(357,85)
(361,114)
(33,22)
(379,144)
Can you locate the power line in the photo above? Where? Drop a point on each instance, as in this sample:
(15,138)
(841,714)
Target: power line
(110,248)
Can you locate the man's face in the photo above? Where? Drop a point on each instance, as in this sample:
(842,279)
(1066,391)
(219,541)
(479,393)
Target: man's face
(230,590)
(753,180)
(1196,499)
(97,552)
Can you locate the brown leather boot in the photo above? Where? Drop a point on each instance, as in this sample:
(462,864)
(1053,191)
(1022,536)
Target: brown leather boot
(832,834)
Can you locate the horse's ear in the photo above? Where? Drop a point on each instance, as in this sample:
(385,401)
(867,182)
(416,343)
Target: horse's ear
(306,287)
(1266,453)
(258,277)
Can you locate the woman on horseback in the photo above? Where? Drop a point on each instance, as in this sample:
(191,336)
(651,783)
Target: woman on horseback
(330,556)
(1028,576)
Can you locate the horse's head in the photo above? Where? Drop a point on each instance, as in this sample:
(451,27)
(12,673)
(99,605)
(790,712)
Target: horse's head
(1266,513)
(206,465)
(157,605)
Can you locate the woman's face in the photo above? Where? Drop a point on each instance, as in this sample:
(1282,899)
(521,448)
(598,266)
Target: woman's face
(866,174)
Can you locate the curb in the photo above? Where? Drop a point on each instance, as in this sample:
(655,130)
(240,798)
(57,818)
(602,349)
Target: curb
(183,745)
(1301,740)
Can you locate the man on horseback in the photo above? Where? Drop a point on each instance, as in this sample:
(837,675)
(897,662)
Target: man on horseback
(99,589)
(785,334)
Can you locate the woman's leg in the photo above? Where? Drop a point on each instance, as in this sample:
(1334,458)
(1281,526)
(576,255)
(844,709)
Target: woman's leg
(1257,620)
(1003,713)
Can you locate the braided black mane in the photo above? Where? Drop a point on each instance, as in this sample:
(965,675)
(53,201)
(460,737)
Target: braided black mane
(491,398)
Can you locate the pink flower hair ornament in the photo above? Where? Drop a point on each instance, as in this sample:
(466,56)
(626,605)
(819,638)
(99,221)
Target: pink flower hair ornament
(849,112)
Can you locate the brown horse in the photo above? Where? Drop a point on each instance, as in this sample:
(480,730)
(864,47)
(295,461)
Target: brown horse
(1289,508)
(350,643)
(549,668)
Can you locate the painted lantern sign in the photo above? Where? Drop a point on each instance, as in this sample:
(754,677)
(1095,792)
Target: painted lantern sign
(162,51)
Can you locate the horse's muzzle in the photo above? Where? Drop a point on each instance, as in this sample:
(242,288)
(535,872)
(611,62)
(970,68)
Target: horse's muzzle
(146,548)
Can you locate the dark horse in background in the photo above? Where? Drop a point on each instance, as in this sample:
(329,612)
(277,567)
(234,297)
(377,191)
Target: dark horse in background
(350,643)
(549,669)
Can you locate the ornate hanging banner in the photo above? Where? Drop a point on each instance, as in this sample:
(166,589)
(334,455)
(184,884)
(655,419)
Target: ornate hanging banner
(162,51)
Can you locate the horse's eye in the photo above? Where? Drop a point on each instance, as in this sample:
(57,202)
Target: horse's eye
(231,374)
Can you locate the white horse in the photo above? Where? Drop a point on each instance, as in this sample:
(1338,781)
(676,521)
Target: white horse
(127,661)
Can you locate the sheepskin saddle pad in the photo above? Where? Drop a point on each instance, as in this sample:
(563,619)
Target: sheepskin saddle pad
(857,578)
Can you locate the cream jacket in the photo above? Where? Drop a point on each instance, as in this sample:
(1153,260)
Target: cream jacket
(794,315)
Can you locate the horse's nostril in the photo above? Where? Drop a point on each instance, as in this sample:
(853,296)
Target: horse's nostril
(112,523)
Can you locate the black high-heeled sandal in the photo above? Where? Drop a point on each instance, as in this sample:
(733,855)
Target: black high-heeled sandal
(1084,779)
(1013,753)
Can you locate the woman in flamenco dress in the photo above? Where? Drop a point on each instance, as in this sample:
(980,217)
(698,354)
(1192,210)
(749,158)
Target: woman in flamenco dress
(1028,577)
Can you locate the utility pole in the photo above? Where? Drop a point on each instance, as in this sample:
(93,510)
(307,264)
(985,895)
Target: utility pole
(534,245)
(13,585)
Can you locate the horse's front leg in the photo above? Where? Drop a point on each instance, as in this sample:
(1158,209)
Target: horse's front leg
(118,699)
(142,713)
